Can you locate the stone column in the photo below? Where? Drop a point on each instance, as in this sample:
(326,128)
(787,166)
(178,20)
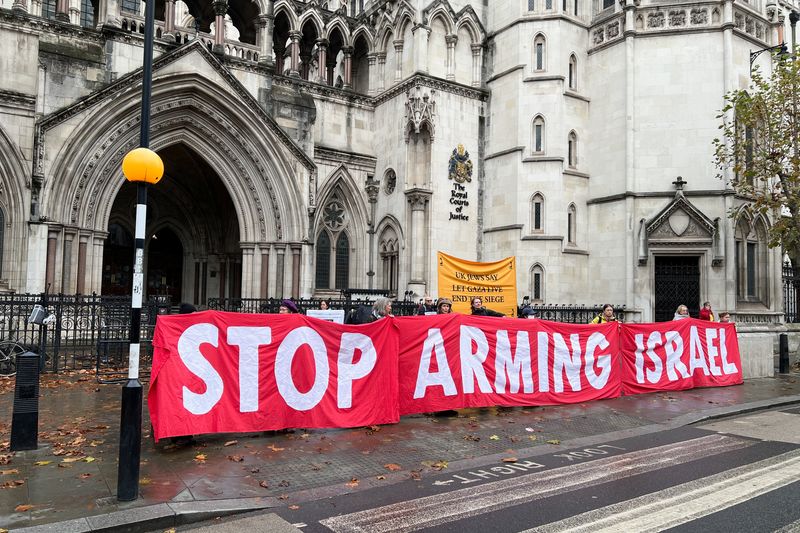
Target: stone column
(50,269)
(421,36)
(169,21)
(248,255)
(108,13)
(66,262)
(62,10)
(96,279)
(83,241)
(305,67)
(265,25)
(372,186)
(451,41)
(372,60)
(280,51)
(477,64)
(20,6)
(295,270)
(223,276)
(264,247)
(348,66)
(381,71)
(280,265)
(220,10)
(74,7)
(322,60)
(204,282)
(418,200)
(295,36)
(398,63)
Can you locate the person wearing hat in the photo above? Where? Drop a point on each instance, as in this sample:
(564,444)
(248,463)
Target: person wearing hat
(288,307)
(444,306)
(527,312)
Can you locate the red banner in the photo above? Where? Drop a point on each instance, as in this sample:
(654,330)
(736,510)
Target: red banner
(455,361)
(219,372)
(678,355)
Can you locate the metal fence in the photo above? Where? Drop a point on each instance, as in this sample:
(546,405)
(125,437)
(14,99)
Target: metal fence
(574,314)
(271,305)
(791,292)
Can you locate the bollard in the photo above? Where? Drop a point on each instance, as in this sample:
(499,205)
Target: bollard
(25,420)
(783,354)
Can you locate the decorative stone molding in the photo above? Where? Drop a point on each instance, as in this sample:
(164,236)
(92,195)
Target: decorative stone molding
(373,187)
(420,109)
(698,17)
(655,19)
(677,18)
(418,199)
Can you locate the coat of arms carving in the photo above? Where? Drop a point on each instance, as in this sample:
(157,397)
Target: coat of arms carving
(460,165)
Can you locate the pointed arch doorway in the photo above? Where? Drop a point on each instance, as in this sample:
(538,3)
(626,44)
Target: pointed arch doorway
(192,250)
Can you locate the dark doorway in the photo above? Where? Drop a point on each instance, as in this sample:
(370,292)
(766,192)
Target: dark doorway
(165,265)
(677,281)
(117,260)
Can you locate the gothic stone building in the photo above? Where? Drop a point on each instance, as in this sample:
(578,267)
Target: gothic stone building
(317,145)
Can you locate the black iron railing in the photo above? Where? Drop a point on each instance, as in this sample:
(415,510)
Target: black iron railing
(791,292)
(573,313)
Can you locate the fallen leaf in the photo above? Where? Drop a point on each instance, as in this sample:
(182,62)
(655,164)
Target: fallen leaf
(231,443)
(89,459)
(532,437)
(255,470)
(85,476)
(275,448)
(170,530)
(530,430)
(12,484)
(263,484)
(23,508)
(42,463)
(9,472)
(512,438)
(294,507)
(509,459)
(283,483)
(200,458)
(392,467)
(145,481)
(71,459)
(352,483)
(235,458)
(3,530)
(5,459)
(439,465)
(96,443)
(283,496)
(494,437)
(473,438)
(415,475)
(553,441)
(62,465)
(380,478)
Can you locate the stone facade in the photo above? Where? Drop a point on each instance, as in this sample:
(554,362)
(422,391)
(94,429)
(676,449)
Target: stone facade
(314,146)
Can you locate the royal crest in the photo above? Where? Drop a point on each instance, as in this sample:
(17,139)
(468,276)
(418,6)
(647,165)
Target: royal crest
(460,165)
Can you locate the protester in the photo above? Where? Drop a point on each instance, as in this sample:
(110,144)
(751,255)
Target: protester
(681,312)
(324,305)
(607,315)
(724,318)
(706,313)
(186,308)
(527,312)
(479,310)
(444,306)
(427,306)
(288,307)
(382,308)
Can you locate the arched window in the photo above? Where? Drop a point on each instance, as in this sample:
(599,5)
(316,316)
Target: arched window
(571,222)
(333,246)
(572,150)
(389,253)
(131,6)
(531,5)
(537,283)
(572,74)
(342,261)
(538,135)
(539,53)
(576,7)
(49,9)
(537,213)
(751,261)
(548,5)
(323,265)
(608,4)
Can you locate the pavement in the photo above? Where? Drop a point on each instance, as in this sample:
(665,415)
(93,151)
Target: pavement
(69,483)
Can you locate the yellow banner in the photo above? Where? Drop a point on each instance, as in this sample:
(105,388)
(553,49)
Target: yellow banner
(495,283)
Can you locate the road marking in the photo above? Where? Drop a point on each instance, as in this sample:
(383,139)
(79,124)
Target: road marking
(683,503)
(479,499)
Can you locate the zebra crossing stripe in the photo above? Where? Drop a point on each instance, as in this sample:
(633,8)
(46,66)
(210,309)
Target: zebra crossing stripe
(683,503)
(475,500)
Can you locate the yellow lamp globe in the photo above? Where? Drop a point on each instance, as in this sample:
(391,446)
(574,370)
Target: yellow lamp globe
(143,164)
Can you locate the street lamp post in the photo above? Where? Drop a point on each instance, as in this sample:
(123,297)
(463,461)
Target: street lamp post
(144,167)
(753,55)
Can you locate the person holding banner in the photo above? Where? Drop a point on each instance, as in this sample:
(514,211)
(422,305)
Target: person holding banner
(681,312)
(479,310)
(706,313)
(444,306)
(427,307)
(288,307)
(606,316)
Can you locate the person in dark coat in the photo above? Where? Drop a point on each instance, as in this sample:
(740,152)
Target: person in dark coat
(479,310)
(288,307)
(427,306)
(444,306)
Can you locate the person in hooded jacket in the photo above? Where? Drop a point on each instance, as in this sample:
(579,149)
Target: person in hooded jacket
(479,310)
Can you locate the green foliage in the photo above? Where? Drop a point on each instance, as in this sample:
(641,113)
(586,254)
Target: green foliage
(758,152)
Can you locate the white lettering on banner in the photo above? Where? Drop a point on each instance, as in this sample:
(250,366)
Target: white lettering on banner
(727,367)
(697,359)
(543,361)
(653,342)
(639,357)
(505,364)
(564,362)
(347,371)
(674,350)
(301,401)
(712,352)
(434,344)
(189,351)
(597,381)
(472,362)
(248,339)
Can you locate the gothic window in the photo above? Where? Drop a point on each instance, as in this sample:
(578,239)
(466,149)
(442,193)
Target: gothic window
(2,238)
(531,5)
(572,150)
(576,7)
(537,283)
(332,268)
(389,254)
(548,5)
(537,213)
(539,52)
(564,6)
(608,3)
(87,14)
(573,72)
(131,6)
(49,9)
(751,261)
(571,220)
(538,135)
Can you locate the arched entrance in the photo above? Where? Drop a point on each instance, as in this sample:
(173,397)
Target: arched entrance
(192,250)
